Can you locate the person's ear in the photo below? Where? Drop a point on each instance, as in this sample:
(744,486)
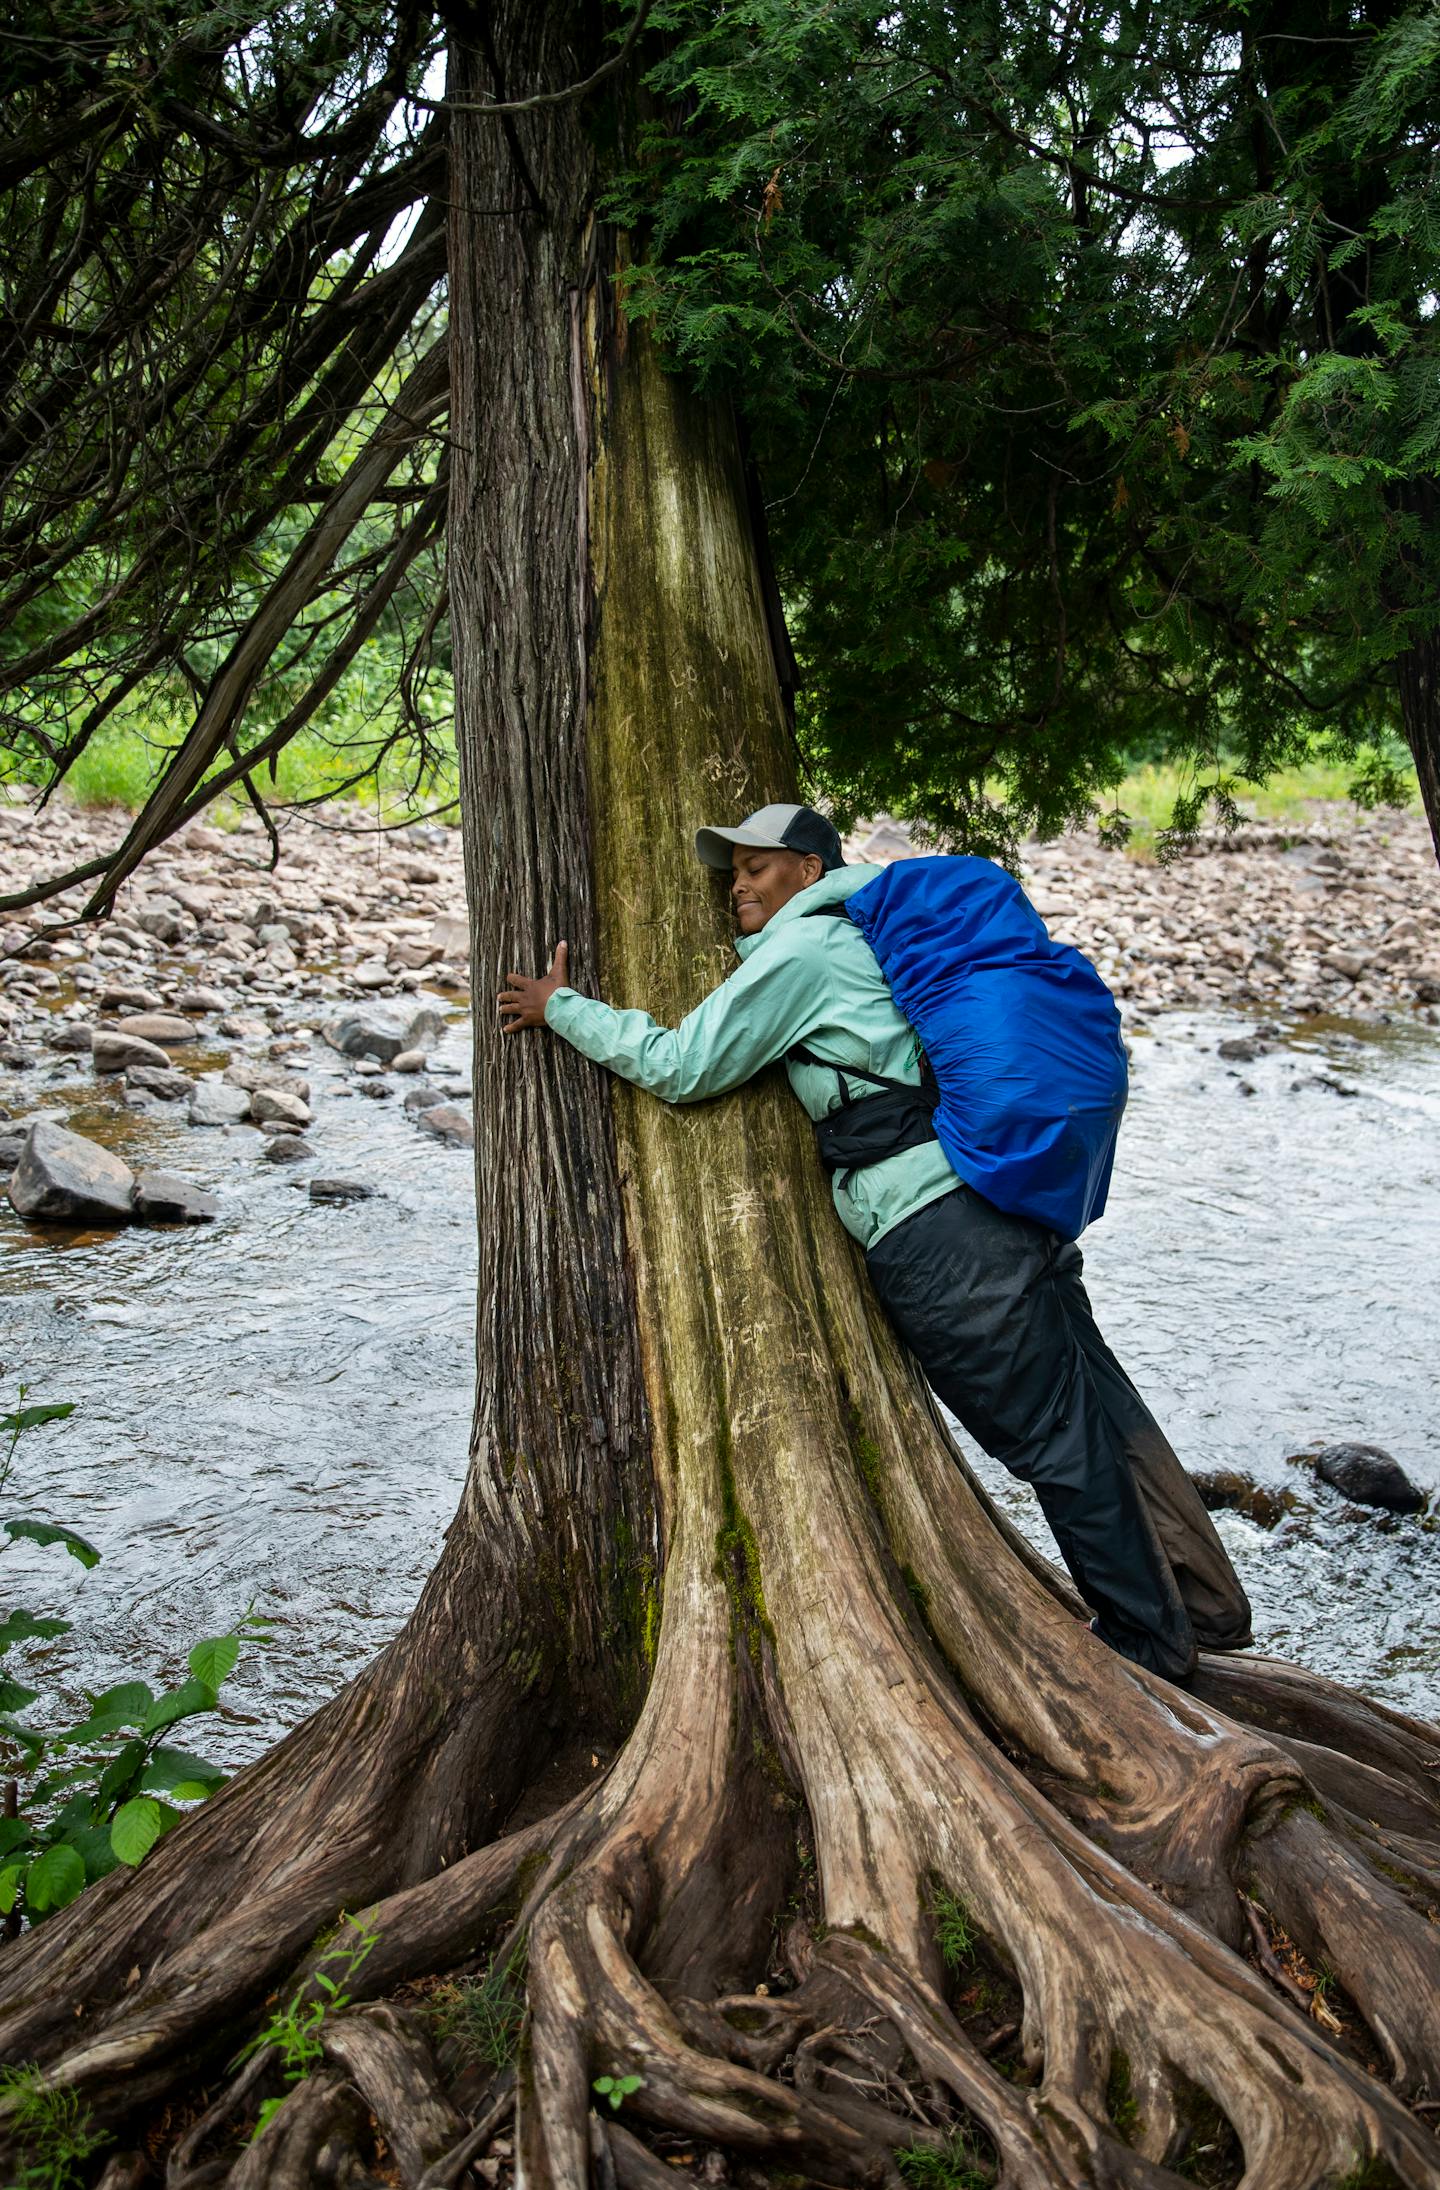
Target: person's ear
(812,867)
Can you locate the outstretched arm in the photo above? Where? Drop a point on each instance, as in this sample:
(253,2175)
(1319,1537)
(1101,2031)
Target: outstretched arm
(772,1002)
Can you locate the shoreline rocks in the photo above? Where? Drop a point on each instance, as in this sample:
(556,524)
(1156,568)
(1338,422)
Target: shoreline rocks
(62,1178)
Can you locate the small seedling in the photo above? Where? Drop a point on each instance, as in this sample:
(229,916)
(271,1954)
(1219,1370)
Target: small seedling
(954,1933)
(617,2089)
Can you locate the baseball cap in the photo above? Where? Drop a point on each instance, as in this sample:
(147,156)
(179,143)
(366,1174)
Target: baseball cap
(774,829)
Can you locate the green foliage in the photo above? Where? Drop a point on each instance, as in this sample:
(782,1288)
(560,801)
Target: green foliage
(89,1795)
(51,2130)
(485,2014)
(1091,371)
(954,1931)
(1120,2101)
(296,2031)
(957,2165)
(617,2089)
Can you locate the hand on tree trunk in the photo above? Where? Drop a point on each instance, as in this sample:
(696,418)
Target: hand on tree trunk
(524,997)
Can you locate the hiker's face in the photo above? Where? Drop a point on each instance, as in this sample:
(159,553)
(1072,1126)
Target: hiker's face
(761,882)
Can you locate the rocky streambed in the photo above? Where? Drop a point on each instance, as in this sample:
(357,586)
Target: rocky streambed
(272,1401)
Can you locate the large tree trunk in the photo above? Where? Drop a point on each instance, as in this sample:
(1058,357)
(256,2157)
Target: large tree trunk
(714,1524)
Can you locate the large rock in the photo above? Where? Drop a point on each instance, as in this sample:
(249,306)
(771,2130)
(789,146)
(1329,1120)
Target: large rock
(62,1178)
(159,1026)
(15,1057)
(339,1190)
(161,1080)
(128,996)
(448,1124)
(161,1198)
(74,1040)
(383,1031)
(1369,1476)
(422,1098)
(253,1073)
(201,999)
(286,1148)
(269,1105)
(215,1103)
(450,936)
(114,1052)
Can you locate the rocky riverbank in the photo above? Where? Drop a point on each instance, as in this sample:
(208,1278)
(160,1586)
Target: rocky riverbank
(215,974)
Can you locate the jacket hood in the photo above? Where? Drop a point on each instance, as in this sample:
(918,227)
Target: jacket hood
(831,889)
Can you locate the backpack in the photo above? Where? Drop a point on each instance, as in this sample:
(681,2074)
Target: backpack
(1025,1076)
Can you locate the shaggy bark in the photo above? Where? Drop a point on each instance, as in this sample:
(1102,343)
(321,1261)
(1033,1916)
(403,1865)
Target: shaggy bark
(713,1522)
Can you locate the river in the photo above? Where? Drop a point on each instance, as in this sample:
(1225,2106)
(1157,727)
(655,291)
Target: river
(275,1407)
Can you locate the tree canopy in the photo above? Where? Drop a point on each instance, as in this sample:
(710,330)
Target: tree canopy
(1087,359)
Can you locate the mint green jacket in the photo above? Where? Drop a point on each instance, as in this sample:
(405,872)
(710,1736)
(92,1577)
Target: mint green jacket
(800,980)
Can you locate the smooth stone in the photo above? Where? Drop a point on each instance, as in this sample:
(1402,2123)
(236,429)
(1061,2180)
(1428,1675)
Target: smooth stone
(450,936)
(448,1124)
(377,1090)
(1240,1050)
(159,1026)
(161,1080)
(61,1178)
(127,996)
(1225,1490)
(382,1032)
(422,1098)
(69,1039)
(367,1068)
(285,1148)
(278,1105)
(114,1052)
(12,1142)
(213,1103)
(410,1060)
(372,976)
(166,923)
(202,1000)
(14,1058)
(162,1198)
(340,1190)
(252,1073)
(1369,1476)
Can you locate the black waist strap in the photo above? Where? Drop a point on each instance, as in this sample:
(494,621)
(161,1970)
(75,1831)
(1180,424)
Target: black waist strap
(865,1130)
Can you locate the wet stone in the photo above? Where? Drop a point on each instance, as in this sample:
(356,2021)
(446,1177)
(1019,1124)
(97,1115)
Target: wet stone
(73,1040)
(278,1105)
(162,1198)
(422,1098)
(382,1031)
(377,1090)
(162,1081)
(448,1124)
(1225,1490)
(159,1026)
(214,1103)
(285,1148)
(119,1052)
(127,996)
(1369,1476)
(201,1000)
(61,1178)
(15,1058)
(340,1190)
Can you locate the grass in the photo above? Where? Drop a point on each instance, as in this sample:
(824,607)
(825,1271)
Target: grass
(1149,792)
(958,2165)
(52,2130)
(954,1932)
(484,2014)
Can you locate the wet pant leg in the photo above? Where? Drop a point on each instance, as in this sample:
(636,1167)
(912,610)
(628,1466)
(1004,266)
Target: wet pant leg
(1209,1586)
(973,1292)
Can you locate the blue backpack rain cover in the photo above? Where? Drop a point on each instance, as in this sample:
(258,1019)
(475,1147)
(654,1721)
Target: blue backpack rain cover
(1021,1033)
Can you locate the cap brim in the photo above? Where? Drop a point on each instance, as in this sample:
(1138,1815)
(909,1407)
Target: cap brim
(715,846)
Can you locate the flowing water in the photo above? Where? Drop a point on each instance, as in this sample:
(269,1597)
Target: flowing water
(275,1407)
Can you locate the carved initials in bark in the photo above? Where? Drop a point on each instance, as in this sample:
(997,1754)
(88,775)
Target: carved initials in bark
(712,1516)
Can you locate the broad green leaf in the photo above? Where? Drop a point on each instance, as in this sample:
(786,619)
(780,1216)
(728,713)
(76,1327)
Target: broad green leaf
(31,1418)
(178,1703)
(127,1704)
(32,1743)
(13,1830)
(19,1627)
(54,1879)
(176,1772)
(92,1844)
(50,1532)
(119,1776)
(14,1697)
(135,1828)
(10,1879)
(213,1661)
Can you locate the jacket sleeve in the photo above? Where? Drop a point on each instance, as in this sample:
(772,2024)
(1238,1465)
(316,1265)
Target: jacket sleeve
(771,1002)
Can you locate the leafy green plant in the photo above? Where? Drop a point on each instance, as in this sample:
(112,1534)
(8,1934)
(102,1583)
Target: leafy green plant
(957,2165)
(104,1790)
(617,2089)
(485,2013)
(51,2129)
(954,1933)
(296,2031)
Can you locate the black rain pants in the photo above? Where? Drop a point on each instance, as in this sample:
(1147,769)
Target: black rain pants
(995,1311)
